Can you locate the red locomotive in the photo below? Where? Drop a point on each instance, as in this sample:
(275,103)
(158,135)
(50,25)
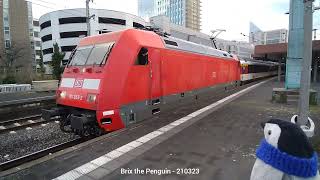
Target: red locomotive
(116,79)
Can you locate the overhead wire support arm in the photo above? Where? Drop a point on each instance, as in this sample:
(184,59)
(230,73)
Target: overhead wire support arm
(214,36)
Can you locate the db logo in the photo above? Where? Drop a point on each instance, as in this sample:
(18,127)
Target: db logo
(78,83)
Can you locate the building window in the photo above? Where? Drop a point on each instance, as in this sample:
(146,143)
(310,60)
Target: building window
(38,52)
(46,38)
(105,20)
(67,48)
(73,34)
(18,69)
(137,25)
(104,31)
(45,24)
(38,44)
(36,34)
(7,44)
(71,20)
(47,51)
(32,44)
(36,23)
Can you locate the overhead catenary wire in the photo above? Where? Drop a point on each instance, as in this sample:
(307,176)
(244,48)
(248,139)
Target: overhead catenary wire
(53,8)
(47,2)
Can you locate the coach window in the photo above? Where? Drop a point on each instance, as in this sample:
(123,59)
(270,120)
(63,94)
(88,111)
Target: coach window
(142,58)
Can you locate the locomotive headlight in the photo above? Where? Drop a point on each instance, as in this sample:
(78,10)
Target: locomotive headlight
(91,98)
(63,94)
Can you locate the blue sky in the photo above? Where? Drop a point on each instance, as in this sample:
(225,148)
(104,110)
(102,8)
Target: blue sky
(233,16)
(280,7)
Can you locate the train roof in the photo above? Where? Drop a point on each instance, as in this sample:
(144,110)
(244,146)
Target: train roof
(168,42)
(180,44)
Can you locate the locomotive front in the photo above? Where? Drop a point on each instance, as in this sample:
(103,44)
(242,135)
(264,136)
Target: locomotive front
(78,94)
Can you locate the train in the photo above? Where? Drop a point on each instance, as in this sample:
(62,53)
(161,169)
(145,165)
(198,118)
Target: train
(120,78)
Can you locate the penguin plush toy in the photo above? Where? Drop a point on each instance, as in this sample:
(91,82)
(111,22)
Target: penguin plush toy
(285,154)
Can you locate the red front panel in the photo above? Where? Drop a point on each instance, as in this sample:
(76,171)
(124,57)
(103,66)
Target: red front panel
(77,84)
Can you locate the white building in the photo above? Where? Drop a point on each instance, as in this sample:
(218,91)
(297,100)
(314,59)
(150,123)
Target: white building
(36,40)
(259,37)
(67,27)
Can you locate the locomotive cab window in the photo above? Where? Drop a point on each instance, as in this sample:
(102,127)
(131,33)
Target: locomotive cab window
(99,54)
(80,56)
(91,55)
(142,58)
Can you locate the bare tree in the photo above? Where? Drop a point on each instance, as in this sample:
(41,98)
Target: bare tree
(9,57)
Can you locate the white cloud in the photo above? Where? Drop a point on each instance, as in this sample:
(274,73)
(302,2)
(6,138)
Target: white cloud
(234,16)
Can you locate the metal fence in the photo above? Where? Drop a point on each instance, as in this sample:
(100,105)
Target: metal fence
(12,88)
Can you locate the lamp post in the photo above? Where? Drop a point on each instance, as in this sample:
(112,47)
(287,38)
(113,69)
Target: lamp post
(306,65)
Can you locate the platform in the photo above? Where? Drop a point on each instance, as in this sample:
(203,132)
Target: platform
(15,97)
(23,95)
(218,142)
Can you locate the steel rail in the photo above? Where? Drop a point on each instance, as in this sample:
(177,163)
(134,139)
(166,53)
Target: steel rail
(4,129)
(39,154)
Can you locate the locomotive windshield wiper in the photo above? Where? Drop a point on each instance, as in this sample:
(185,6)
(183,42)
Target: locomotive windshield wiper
(106,55)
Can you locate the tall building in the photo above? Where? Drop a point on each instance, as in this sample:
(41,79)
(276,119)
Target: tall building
(186,13)
(259,37)
(36,40)
(15,37)
(146,9)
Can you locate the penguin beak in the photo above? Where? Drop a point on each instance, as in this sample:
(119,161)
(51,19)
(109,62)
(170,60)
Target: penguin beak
(263,124)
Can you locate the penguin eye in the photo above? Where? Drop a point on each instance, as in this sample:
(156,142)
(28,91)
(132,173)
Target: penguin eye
(269,132)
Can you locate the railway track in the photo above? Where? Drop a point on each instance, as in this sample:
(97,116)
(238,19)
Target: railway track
(15,109)
(36,155)
(22,123)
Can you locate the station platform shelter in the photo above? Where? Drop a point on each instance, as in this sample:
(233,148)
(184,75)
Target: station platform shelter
(278,53)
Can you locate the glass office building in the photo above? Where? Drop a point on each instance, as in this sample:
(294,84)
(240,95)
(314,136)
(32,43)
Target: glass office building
(181,12)
(146,9)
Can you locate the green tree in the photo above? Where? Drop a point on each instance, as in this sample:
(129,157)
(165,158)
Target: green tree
(55,63)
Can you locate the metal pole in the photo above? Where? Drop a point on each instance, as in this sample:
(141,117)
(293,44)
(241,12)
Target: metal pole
(88,17)
(315,69)
(279,70)
(306,65)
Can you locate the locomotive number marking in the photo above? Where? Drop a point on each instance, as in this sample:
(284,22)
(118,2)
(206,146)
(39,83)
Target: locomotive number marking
(75,97)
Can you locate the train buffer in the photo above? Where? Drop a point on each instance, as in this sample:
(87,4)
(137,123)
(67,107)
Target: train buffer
(217,141)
